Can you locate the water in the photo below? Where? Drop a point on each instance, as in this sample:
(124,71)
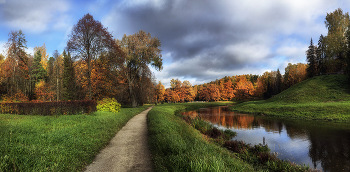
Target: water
(321,145)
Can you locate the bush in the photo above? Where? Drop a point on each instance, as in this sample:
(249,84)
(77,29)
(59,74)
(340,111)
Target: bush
(108,105)
(49,108)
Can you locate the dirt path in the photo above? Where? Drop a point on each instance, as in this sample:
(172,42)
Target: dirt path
(128,150)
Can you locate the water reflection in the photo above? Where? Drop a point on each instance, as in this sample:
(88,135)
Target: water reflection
(323,146)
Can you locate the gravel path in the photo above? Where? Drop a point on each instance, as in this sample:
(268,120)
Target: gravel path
(128,150)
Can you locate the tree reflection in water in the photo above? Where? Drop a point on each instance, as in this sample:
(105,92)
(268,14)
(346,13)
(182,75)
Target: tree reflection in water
(328,143)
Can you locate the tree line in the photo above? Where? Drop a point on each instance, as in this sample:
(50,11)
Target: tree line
(92,66)
(331,55)
(239,87)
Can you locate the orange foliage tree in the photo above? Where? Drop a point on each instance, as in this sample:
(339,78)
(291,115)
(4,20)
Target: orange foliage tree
(244,89)
(209,93)
(44,92)
(160,90)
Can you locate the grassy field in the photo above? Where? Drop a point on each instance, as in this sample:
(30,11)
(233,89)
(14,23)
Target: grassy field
(177,146)
(319,98)
(57,143)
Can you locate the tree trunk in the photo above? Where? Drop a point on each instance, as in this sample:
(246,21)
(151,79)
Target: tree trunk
(132,96)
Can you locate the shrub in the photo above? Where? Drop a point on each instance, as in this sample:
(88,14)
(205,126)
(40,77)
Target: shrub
(108,105)
(49,108)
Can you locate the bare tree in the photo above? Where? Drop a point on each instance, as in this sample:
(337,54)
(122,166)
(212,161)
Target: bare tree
(88,40)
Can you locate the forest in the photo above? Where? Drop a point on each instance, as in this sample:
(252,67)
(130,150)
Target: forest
(96,66)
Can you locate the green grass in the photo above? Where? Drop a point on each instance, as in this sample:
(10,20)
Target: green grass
(178,146)
(319,98)
(57,143)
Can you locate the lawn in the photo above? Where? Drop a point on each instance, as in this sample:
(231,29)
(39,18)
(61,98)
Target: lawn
(57,143)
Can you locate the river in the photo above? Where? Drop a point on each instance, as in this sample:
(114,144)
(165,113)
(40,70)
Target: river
(321,145)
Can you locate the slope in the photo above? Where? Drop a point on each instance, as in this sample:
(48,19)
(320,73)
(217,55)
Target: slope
(322,98)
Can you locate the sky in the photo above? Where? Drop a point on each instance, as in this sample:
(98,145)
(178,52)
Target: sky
(201,40)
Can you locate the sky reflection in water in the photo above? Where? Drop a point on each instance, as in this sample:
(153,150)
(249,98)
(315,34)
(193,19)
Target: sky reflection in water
(324,146)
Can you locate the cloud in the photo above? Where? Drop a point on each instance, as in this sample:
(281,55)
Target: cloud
(36,16)
(210,39)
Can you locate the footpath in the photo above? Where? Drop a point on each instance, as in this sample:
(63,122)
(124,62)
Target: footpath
(128,150)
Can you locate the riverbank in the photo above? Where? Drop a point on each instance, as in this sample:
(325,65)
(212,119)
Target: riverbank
(177,146)
(57,143)
(324,98)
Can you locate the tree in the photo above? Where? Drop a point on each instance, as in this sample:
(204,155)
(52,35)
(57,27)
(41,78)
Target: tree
(337,24)
(244,88)
(140,50)
(57,73)
(160,90)
(16,63)
(311,59)
(279,81)
(321,56)
(347,58)
(294,73)
(88,40)
(38,72)
(68,78)
(44,55)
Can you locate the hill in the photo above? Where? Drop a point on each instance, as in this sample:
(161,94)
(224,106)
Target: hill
(322,98)
(317,89)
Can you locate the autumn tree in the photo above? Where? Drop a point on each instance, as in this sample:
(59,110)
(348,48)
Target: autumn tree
(16,67)
(88,40)
(44,55)
(294,73)
(210,92)
(140,50)
(230,92)
(57,74)
(244,88)
(160,90)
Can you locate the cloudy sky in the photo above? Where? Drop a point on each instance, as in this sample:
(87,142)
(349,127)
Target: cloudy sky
(202,40)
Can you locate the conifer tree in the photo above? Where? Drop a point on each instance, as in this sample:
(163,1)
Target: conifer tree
(311,59)
(68,80)
(321,56)
(38,72)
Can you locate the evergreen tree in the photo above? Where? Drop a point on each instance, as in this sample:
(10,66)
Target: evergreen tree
(321,56)
(38,72)
(69,85)
(311,59)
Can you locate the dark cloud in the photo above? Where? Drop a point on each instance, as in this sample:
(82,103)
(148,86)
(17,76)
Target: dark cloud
(210,39)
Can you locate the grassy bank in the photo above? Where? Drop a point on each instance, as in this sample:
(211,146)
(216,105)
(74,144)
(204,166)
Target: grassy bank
(177,146)
(57,143)
(319,98)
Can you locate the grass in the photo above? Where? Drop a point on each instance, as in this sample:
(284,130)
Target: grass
(57,143)
(324,98)
(180,146)
(176,146)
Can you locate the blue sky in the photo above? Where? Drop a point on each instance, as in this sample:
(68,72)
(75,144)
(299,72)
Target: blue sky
(202,40)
